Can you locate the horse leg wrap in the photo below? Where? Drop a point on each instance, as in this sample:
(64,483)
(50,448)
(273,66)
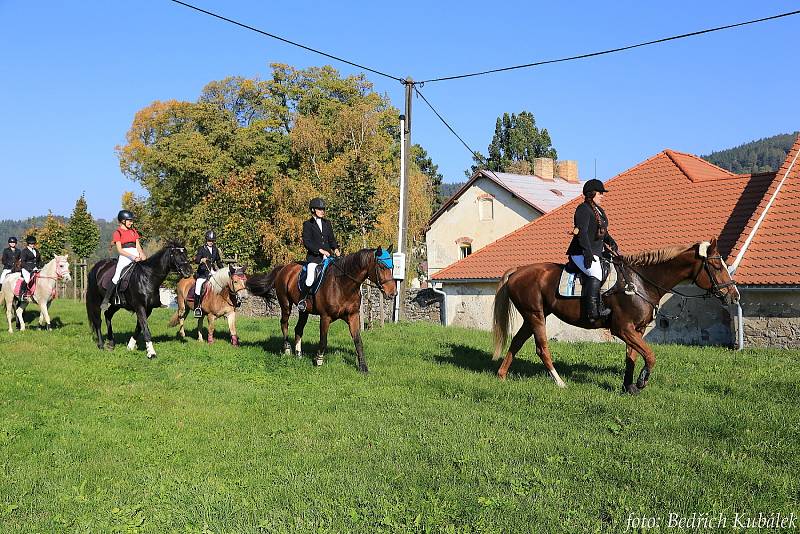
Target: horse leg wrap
(235,341)
(644,376)
(151,352)
(132,343)
(319,359)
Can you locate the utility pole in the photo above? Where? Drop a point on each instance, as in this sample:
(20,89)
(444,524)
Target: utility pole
(403,241)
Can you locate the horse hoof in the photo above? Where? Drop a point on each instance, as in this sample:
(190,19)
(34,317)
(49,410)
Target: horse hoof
(235,341)
(210,340)
(631,389)
(363,369)
(318,361)
(641,384)
(151,356)
(49,328)
(287,351)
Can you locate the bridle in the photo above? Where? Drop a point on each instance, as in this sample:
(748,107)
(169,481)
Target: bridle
(716,288)
(179,265)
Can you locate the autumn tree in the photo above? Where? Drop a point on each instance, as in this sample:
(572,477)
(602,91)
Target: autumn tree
(52,238)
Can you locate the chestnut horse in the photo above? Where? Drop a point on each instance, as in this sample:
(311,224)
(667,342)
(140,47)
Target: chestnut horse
(221,301)
(338,297)
(533,289)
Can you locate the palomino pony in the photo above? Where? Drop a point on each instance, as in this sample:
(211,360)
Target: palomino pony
(534,291)
(44,292)
(141,294)
(221,300)
(339,296)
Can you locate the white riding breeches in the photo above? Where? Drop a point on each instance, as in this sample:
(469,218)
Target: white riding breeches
(199,285)
(123,262)
(312,269)
(26,275)
(595,269)
(3,275)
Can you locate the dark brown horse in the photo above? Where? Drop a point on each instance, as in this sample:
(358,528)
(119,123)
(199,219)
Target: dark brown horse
(534,291)
(339,296)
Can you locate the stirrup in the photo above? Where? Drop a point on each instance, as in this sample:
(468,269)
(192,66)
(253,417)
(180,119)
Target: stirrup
(302,306)
(198,312)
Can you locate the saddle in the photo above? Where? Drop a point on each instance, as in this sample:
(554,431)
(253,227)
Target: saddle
(204,290)
(122,285)
(319,276)
(571,282)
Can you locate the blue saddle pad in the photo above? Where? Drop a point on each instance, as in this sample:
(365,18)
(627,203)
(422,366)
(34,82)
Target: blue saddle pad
(319,276)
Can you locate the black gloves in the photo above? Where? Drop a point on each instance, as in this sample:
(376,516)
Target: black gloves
(587,261)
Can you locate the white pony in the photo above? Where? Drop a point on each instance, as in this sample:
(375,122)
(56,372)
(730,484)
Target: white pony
(44,292)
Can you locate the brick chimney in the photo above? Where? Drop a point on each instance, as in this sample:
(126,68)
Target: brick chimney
(543,168)
(568,170)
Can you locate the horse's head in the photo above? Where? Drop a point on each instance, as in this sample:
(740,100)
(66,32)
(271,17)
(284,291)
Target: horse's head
(712,273)
(62,268)
(381,276)
(238,279)
(178,258)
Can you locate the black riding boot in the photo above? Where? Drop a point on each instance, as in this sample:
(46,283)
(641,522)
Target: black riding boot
(106,304)
(23,289)
(198,306)
(302,305)
(592,303)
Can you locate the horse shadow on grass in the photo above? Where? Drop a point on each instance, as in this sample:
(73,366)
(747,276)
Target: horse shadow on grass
(480,361)
(31,318)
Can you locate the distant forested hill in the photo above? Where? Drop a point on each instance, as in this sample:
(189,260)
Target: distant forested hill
(449,189)
(763,155)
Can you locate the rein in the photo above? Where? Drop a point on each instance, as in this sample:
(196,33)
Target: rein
(367,281)
(713,291)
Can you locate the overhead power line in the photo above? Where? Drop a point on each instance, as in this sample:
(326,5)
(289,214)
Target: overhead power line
(610,51)
(477,156)
(293,43)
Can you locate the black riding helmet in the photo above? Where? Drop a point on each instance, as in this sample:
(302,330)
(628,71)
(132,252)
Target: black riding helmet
(317,203)
(594,185)
(211,236)
(31,240)
(12,239)
(125,215)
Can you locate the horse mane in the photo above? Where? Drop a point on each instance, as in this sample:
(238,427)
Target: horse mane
(652,257)
(221,278)
(355,261)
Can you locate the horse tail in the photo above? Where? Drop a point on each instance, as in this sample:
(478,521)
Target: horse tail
(92,302)
(502,315)
(261,284)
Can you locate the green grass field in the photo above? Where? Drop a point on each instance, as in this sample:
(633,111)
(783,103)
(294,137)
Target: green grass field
(217,439)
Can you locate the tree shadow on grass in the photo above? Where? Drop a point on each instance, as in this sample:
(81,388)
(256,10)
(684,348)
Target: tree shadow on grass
(480,361)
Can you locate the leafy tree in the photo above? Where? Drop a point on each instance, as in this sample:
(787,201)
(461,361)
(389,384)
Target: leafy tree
(516,140)
(84,235)
(426,166)
(249,154)
(355,213)
(52,238)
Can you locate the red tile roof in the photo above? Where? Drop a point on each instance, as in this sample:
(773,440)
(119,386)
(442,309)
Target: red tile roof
(673,198)
(773,255)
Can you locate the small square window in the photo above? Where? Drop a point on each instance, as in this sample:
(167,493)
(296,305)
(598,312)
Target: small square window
(486,209)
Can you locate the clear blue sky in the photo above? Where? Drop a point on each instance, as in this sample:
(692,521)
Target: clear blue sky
(72,75)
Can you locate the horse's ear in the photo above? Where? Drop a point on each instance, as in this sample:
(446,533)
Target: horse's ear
(378,252)
(389,250)
(713,243)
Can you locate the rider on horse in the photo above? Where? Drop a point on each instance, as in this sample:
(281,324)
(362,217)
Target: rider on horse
(126,238)
(207,256)
(590,235)
(320,243)
(30,262)
(10,257)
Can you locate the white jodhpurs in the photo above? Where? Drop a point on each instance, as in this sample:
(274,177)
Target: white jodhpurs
(123,262)
(312,269)
(26,275)
(199,285)
(595,269)
(3,275)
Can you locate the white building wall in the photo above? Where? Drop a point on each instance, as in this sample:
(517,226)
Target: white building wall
(462,219)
